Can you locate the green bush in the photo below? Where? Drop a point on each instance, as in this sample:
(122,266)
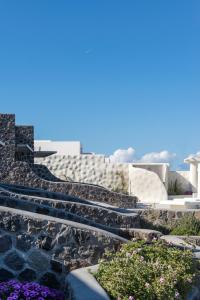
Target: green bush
(142,271)
(187,225)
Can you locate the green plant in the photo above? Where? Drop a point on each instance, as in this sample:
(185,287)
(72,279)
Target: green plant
(175,188)
(187,225)
(141,271)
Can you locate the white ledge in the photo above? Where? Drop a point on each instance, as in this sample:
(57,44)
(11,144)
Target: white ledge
(83,286)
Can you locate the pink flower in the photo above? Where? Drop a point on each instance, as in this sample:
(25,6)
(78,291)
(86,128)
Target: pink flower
(177,295)
(147,285)
(161,280)
(131,298)
(128,254)
(141,258)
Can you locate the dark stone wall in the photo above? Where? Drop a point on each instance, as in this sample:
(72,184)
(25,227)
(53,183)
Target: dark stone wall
(44,249)
(25,135)
(91,215)
(17,168)
(44,173)
(21,173)
(7,135)
(164,220)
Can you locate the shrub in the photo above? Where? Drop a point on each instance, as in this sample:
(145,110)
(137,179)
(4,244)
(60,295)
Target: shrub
(187,225)
(141,271)
(13,290)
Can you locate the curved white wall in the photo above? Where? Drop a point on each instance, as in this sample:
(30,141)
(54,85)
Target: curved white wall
(142,180)
(146,185)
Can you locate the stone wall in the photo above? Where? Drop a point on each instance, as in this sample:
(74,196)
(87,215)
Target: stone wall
(21,173)
(45,249)
(164,219)
(7,136)
(68,208)
(25,135)
(93,169)
(16,167)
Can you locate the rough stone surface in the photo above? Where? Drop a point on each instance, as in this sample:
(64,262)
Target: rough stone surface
(162,219)
(38,261)
(22,173)
(5,275)
(24,242)
(5,243)
(49,279)
(55,246)
(56,266)
(14,261)
(27,275)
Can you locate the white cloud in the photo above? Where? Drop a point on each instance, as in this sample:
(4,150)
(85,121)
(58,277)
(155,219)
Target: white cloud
(128,156)
(158,157)
(123,155)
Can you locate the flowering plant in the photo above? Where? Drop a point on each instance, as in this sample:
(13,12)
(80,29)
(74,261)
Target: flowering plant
(141,270)
(14,290)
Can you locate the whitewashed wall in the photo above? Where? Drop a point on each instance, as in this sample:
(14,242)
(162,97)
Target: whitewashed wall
(182,178)
(89,169)
(148,181)
(146,185)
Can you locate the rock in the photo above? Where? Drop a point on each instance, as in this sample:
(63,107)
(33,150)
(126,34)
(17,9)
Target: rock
(45,242)
(14,261)
(5,275)
(50,280)
(56,266)
(27,275)
(24,242)
(5,243)
(38,261)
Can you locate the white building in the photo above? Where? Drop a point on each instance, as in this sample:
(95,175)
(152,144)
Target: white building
(60,147)
(150,182)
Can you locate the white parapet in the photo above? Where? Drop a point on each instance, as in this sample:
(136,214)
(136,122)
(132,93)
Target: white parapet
(146,185)
(180,203)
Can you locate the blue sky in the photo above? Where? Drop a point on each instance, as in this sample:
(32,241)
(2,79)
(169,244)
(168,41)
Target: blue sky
(111,73)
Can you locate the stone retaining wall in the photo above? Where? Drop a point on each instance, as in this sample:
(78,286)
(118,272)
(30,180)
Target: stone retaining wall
(163,219)
(22,173)
(45,249)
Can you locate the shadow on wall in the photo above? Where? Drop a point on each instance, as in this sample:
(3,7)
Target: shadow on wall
(179,183)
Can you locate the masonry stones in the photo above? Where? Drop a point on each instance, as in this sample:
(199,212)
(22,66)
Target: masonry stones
(38,261)
(14,261)
(5,243)
(27,275)
(5,275)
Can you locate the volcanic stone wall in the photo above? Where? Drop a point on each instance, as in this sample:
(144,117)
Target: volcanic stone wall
(21,173)
(7,136)
(25,135)
(45,249)
(18,168)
